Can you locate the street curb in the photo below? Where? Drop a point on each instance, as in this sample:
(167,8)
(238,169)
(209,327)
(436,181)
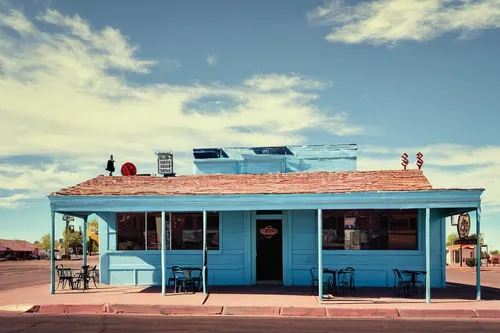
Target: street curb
(192,310)
(488,314)
(303,312)
(263,311)
(72,308)
(361,313)
(437,313)
(251,310)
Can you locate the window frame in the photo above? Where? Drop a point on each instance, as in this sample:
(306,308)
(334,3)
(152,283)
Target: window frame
(169,250)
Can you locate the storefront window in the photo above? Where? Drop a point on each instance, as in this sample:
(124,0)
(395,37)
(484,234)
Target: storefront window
(184,231)
(130,231)
(187,231)
(370,229)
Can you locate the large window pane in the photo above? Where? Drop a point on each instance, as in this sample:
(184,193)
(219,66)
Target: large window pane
(154,231)
(187,231)
(333,230)
(370,229)
(184,231)
(130,231)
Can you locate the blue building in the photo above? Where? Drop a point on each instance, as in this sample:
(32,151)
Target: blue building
(253,215)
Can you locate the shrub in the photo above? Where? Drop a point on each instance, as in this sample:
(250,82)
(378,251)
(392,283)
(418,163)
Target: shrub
(471,262)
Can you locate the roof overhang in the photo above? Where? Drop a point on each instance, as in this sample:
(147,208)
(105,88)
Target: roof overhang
(445,199)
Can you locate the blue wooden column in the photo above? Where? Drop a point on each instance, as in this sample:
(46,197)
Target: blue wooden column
(204,270)
(163,255)
(52,258)
(478,253)
(85,241)
(428,255)
(320,254)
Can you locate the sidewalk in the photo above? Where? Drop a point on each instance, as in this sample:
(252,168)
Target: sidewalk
(247,301)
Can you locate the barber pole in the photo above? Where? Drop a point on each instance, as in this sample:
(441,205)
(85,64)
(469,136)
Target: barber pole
(404,160)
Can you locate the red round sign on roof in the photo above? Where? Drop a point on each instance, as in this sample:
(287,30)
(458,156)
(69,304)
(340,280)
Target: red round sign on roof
(128,169)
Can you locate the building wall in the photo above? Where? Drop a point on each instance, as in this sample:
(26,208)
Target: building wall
(466,254)
(227,266)
(234,263)
(373,268)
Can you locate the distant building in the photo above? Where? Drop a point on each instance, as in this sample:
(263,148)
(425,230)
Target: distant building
(21,248)
(457,255)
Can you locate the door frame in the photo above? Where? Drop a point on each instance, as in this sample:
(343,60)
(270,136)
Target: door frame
(285,253)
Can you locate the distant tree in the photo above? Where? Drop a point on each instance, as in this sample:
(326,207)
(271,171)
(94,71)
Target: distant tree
(44,242)
(72,239)
(38,244)
(495,252)
(92,227)
(450,240)
(92,230)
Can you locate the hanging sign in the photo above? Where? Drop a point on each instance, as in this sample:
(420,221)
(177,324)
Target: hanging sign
(268,231)
(463,225)
(454,221)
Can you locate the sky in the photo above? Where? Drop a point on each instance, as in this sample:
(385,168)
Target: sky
(80,80)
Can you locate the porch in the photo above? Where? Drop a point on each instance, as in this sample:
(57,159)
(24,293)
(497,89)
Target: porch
(302,203)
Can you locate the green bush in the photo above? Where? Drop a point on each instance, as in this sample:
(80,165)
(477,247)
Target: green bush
(471,262)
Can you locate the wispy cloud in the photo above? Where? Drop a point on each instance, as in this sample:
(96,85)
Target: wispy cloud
(83,112)
(392,21)
(12,201)
(446,166)
(212,59)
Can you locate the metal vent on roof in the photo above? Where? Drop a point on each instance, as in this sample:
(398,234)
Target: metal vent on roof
(272,150)
(204,153)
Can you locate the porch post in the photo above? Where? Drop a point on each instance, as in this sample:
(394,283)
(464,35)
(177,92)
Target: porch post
(52,258)
(85,241)
(163,254)
(428,255)
(478,253)
(204,270)
(320,254)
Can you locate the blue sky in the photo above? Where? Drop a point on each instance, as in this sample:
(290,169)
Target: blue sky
(81,80)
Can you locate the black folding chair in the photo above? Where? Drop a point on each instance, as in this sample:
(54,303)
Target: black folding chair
(346,280)
(65,276)
(400,282)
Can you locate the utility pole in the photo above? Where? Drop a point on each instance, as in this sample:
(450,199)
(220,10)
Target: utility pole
(67,219)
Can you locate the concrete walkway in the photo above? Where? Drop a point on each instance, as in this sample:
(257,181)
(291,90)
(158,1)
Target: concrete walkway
(453,302)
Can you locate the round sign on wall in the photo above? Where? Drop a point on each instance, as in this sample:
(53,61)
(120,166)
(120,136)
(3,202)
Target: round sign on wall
(463,225)
(128,169)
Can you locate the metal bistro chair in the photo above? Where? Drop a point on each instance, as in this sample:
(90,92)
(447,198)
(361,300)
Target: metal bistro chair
(179,279)
(400,282)
(314,281)
(346,280)
(65,275)
(94,275)
(194,279)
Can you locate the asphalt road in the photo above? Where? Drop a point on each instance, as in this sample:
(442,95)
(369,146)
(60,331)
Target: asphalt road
(18,274)
(119,323)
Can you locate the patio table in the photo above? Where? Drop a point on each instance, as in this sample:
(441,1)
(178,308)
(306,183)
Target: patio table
(333,273)
(188,274)
(414,278)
